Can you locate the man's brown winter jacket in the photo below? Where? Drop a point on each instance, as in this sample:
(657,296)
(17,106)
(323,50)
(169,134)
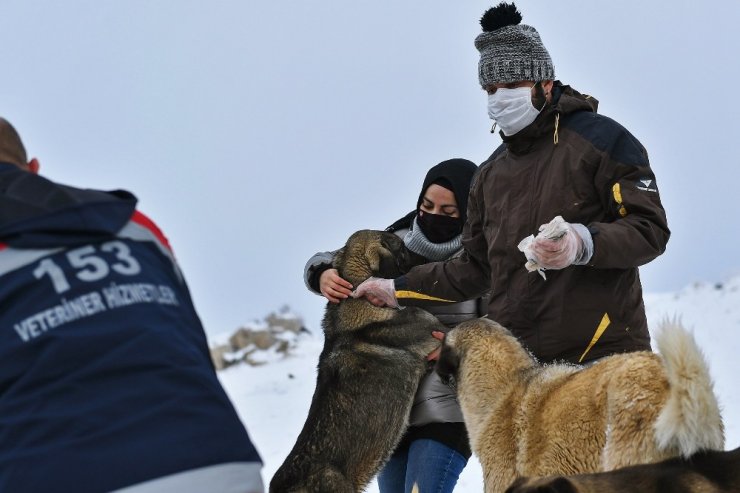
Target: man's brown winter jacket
(574,163)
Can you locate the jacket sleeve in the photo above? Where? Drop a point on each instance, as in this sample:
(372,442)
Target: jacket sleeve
(463,277)
(315,266)
(637,229)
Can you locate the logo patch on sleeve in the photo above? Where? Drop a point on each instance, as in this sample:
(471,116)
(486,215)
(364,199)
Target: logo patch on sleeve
(646,185)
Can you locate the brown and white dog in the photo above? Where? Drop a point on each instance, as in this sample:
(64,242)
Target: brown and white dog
(708,471)
(526,419)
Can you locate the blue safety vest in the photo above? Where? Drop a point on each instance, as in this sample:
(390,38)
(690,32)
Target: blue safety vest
(105,373)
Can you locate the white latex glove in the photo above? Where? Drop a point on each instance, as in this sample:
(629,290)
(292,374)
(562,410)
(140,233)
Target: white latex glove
(378,291)
(559,252)
(558,245)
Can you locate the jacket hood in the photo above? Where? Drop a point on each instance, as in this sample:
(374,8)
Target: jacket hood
(38,213)
(565,101)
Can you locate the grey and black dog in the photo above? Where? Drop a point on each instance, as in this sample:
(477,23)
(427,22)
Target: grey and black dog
(708,471)
(368,373)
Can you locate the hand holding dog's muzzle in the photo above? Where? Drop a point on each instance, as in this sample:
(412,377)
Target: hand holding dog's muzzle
(378,291)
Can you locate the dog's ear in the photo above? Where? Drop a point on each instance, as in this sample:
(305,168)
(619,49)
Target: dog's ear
(448,363)
(554,485)
(404,258)
(398,257)
(559,485)
(518,486)
(378,257)
(391,254)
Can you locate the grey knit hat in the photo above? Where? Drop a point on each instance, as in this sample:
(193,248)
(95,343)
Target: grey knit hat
(510,51)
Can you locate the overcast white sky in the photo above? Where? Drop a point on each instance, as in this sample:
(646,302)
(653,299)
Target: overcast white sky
(258,132)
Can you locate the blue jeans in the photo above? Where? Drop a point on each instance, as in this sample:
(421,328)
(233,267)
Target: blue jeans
(433,466)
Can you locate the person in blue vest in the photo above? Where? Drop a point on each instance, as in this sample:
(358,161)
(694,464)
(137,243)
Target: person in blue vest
(106,383)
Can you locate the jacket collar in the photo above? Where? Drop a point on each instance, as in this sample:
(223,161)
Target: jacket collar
(565,100)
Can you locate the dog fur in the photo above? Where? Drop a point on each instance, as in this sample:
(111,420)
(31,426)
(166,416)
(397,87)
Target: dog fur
(526,419)
(369,370)
(704,472)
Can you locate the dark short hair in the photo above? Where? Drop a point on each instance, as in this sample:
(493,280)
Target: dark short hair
(11,146)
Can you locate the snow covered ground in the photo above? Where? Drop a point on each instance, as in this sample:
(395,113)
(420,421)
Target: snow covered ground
(273,399)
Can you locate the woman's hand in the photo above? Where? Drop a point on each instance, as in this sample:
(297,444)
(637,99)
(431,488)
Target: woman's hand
(333,287)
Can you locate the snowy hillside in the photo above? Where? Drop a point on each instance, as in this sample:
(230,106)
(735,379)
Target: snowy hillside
(273,399)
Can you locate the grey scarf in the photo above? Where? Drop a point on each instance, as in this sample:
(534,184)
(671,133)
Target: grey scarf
(418,243)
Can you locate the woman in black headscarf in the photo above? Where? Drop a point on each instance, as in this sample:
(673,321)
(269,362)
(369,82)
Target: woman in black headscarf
(435,448)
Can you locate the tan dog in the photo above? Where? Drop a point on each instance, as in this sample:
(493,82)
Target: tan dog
(704,472)
(369,370)
(525,419)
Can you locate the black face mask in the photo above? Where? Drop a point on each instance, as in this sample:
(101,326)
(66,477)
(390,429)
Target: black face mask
(438,228)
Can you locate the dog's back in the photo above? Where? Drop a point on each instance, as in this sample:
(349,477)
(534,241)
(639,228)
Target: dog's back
(653,406)
(527,419)
(708,471)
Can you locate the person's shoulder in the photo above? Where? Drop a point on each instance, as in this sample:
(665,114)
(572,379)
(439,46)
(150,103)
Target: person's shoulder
(595,126)
(589,122)
(403,223)
(489,164)
(608,136)
(498,154)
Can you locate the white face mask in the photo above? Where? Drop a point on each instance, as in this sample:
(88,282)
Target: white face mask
(512,109)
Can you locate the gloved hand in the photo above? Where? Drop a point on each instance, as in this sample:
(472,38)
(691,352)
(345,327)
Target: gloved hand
(378,291)
(557,245)
(557,251)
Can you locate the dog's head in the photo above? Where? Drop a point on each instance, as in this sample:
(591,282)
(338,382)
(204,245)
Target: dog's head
(374,253)
(477,336)
(558,484)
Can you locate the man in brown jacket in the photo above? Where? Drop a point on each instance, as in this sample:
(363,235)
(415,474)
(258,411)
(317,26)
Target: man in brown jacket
(559,159)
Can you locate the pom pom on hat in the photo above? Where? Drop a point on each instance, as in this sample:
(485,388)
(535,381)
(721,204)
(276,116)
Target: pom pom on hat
(503,14)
